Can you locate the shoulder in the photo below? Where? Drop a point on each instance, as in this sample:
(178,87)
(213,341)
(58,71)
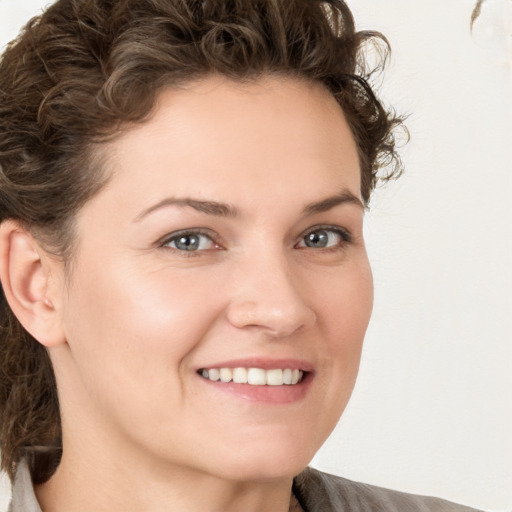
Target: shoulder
(321,492)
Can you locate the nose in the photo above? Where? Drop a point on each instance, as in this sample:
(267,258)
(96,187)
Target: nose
(267,297)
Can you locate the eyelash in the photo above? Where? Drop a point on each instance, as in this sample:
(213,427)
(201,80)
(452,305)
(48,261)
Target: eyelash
(345,236)
(163,244)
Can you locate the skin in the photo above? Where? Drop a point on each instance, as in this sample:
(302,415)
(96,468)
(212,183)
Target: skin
(136,317)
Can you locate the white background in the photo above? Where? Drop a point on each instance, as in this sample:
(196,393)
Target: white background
(432,410)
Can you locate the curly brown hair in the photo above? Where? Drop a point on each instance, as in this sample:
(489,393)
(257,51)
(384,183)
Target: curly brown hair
(84,69)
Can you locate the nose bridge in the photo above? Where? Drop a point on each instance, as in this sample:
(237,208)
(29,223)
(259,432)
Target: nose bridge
(267,294)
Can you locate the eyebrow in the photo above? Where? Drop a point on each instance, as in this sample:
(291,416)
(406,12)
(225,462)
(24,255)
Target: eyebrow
(345,196)
(208,207)
(227,210)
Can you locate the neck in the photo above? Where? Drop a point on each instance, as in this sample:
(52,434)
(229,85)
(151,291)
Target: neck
(131,485)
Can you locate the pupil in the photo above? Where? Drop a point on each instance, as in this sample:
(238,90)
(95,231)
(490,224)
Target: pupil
(317,239)
(188,242)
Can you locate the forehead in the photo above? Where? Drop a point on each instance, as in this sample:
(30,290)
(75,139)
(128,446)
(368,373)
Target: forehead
(217,138)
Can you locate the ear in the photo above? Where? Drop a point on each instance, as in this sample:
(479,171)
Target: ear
(25,273)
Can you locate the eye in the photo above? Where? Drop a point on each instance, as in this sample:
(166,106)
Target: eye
(189,242)
(325,238)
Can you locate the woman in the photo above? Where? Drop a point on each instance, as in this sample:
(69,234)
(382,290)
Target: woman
(187,288)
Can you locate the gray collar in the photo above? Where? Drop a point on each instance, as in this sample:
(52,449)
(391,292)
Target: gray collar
(23,496)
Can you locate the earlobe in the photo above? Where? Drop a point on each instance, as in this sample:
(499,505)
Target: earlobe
(25,277)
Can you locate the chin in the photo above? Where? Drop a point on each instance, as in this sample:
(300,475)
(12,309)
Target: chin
(265,464)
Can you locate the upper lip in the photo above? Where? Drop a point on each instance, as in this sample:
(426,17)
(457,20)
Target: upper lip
(264,363)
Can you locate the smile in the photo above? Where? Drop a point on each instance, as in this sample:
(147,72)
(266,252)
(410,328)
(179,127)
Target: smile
(254,376)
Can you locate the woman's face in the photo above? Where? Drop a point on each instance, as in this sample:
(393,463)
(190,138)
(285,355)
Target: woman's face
(229,236)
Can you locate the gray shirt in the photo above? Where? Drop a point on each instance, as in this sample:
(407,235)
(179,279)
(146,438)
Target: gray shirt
(316,492)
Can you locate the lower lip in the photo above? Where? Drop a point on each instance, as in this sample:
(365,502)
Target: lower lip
(278,395)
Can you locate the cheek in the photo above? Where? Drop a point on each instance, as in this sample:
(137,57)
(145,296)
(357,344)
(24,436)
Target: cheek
(346,312)
(347,304)
(130,338)
(344,304)
(132,324)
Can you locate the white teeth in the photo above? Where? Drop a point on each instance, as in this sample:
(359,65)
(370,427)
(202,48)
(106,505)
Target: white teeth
(240,376)
(254,376)
(213,374)
(275,377)
(226,374)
